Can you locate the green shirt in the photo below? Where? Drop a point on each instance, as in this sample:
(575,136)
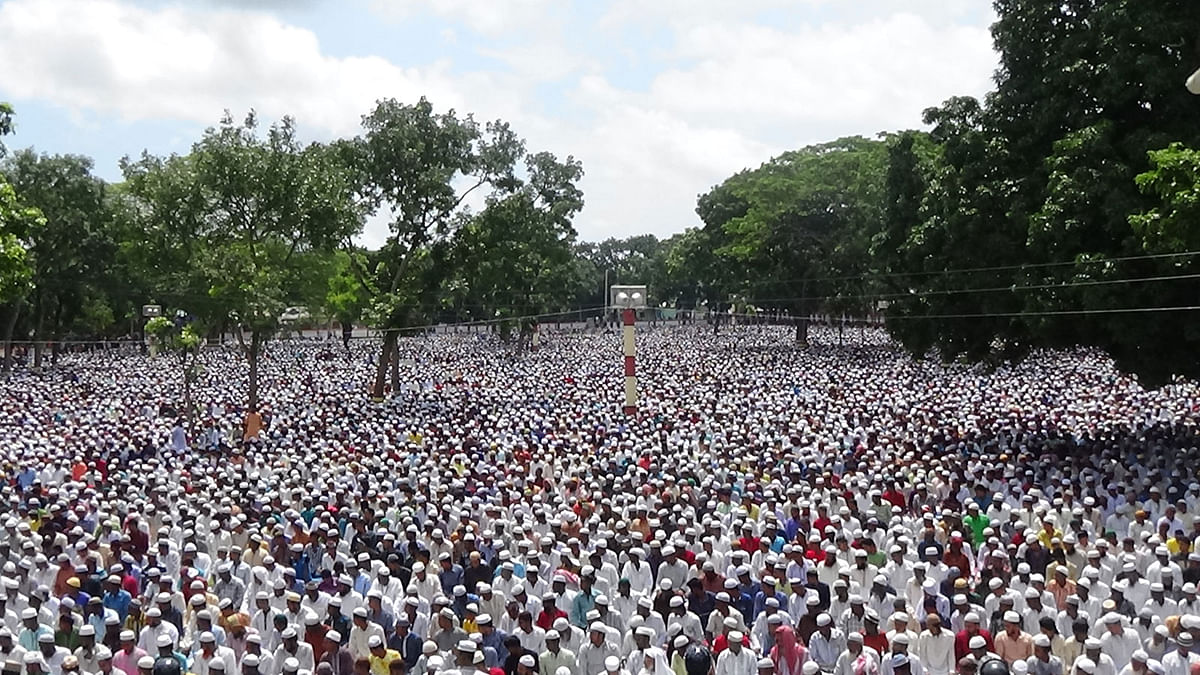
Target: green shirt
(977,524)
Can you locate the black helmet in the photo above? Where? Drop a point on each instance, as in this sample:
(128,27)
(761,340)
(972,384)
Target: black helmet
(167,665)
(697,661)
(994,667)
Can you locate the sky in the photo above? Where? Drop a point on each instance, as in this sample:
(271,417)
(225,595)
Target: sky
(659,99)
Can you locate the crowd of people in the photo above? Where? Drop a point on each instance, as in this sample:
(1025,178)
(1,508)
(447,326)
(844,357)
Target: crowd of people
(768,511)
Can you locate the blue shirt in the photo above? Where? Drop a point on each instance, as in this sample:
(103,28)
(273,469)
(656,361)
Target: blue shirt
(451,578)
(301,567)
(29,638)
(362,584)
(494,643)
(583,603)
(760,602)
(118,602)
(744,604)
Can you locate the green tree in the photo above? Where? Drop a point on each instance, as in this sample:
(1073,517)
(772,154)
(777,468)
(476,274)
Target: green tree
(345,298)
(180,340)
(71,254)
(18,222)
(419,167)
(1163,348)
(960,224)
(1032,189)
(800,227)
(6,124)
(696,273)
(252,218)
(515,257)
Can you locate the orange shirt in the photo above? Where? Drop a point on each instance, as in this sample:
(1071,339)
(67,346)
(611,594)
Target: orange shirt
(253,425)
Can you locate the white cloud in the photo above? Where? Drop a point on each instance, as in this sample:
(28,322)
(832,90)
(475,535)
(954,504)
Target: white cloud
(865,77)
(180,64)
(722,92)
(487,17)
(686,12)
(744,92)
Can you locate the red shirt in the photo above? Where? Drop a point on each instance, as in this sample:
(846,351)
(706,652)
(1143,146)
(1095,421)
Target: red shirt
(721,643)
(545,620)
(960,560)
(961,640)
(878,642)
(315,637)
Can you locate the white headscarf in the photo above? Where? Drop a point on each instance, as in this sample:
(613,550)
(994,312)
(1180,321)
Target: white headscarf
(661,667)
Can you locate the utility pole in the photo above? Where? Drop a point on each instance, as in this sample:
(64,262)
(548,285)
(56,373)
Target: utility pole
(604,294)
(629,299)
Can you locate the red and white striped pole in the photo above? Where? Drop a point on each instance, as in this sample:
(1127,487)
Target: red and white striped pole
(628,317)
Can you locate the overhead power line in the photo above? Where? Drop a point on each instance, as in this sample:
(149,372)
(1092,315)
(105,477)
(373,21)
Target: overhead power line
(995,315)
(1057,312)
(973,270)
(994,289)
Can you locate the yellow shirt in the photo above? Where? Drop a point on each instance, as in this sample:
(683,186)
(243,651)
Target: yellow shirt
(379,664)
(1045,537)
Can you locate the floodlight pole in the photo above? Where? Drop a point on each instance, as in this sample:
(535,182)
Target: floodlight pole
(628,318)
(629,299)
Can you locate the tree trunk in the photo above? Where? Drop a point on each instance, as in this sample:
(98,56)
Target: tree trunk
(38,322)
(802,331)
(390,338)
(802,314)
(395,368)
(252,357)
(9,327)
(189,360)
(802,328)
(56,347)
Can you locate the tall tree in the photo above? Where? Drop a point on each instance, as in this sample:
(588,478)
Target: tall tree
(179,339)
(1160,349)
(70,255)
(419,167)
(18,222)
(515,257)
(345,298)
(800,226)
(250,214)
(1033,189)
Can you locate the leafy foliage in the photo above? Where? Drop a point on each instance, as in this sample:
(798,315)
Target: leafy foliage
(515,257)
(242,222)
(802,223)
(16,221)
(70,255)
